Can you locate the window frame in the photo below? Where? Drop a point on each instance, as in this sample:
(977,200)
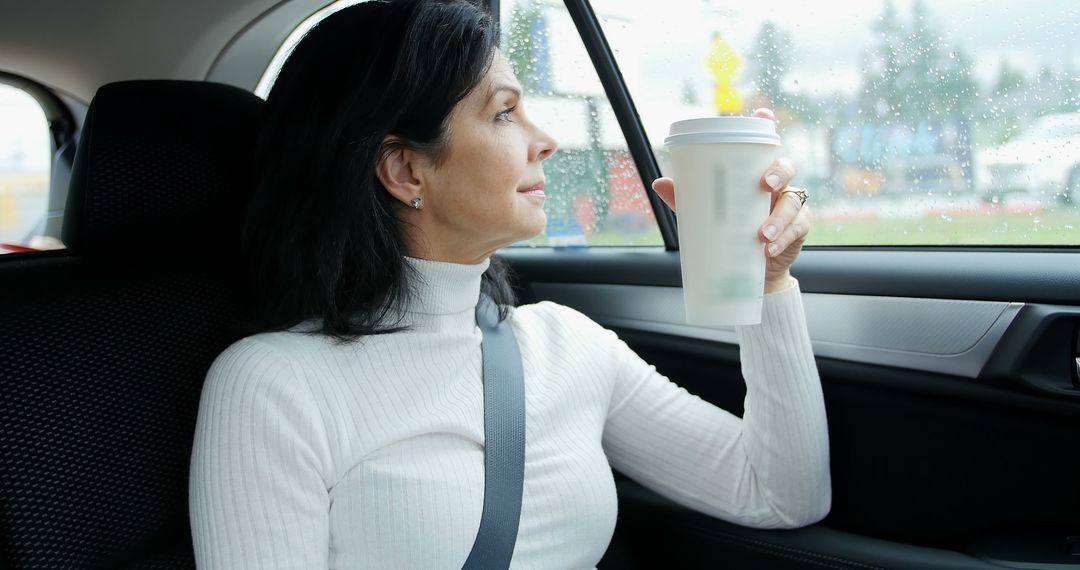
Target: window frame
(63,137)
(61,121)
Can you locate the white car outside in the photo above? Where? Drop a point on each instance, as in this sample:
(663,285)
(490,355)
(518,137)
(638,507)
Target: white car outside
(1043,162)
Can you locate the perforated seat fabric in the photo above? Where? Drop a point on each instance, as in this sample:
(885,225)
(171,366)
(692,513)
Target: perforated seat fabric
(103,351)
(158,167)
(101,387)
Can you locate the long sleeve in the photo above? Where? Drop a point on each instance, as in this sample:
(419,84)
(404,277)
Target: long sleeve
(311,453)
(769,469)
(257,496)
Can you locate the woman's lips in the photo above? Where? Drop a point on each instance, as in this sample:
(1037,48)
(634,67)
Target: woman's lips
(534,190)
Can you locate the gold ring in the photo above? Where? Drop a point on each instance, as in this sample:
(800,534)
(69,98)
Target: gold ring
(802,194)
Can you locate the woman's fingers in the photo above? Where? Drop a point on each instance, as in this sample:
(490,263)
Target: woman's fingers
(795,232)
(778,174)
(776,177)
(784,211)
(765,113)
(665,188)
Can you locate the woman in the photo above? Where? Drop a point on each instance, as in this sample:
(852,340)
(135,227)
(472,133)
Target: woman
(397,157)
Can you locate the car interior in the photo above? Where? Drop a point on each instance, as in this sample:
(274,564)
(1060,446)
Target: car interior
(950,373)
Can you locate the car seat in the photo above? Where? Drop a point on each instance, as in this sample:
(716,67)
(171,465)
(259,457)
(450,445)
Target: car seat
(104,346)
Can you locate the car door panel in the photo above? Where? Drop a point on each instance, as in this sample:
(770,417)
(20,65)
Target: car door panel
(935,335)
(941,449)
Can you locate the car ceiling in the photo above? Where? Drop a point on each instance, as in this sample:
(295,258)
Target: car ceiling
(75,46)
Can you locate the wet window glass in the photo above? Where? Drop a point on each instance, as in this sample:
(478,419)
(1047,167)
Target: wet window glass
(595,196)
(25,159)
(911,122)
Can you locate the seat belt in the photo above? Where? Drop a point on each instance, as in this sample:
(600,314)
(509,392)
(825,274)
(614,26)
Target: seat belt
(504,441)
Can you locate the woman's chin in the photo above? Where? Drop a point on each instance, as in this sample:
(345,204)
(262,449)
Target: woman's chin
(540,227)
(533,225)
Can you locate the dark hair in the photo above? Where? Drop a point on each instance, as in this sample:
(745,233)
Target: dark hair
(321,236)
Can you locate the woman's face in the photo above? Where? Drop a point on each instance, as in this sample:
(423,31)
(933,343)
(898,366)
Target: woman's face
(477,199)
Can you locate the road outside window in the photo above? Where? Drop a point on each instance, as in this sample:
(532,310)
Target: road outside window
(25,158)
(913,123)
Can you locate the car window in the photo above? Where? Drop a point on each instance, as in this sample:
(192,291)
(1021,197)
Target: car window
(912,123)
(25,158)
(262,89)
(595,195)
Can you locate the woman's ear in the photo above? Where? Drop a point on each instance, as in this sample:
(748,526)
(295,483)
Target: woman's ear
(397,170)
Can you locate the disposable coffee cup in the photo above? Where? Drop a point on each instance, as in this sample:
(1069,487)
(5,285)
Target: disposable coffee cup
(717,164)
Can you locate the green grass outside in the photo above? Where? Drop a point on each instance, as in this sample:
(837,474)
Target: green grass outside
(1058,227)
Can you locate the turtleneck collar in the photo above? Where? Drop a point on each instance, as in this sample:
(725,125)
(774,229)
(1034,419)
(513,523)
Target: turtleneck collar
(442,298)
(443,288)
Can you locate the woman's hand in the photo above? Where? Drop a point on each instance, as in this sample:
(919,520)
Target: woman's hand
(784,231)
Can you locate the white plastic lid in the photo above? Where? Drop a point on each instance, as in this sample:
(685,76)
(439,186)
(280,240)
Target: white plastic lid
(723,130)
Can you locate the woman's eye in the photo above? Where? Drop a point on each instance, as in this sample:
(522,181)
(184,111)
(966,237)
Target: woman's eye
(504,115)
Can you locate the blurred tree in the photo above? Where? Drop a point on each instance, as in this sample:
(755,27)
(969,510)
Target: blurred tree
(937,82)
(526,47)
(913,73)
(958,91)
(771,60)
(1070,81)
(1053,92)
(1010,80)
(1048,92)
(881,67)
(1007,104)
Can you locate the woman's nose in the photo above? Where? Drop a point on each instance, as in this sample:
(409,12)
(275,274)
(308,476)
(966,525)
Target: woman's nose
(544,145)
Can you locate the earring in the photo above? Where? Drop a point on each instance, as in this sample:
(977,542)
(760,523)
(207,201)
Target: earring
(417,202)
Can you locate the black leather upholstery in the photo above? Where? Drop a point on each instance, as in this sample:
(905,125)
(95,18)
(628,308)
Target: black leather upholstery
(104,348)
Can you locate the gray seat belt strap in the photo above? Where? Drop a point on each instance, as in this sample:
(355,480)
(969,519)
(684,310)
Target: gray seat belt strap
(504,441)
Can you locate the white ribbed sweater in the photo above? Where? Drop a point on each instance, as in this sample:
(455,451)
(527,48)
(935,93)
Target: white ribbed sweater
(310,454)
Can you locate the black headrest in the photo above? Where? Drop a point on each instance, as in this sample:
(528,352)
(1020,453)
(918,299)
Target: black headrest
(161,166)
